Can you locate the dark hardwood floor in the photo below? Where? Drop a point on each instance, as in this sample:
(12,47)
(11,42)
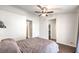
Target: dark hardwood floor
(64,48)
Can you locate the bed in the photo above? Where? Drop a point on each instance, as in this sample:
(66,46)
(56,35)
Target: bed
(38,45)
(32,45)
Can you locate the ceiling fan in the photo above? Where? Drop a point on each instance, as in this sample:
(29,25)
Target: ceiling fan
(44,11)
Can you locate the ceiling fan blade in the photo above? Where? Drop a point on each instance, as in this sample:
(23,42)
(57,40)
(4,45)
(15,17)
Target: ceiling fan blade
(38,12)
(40,7)
(50,12)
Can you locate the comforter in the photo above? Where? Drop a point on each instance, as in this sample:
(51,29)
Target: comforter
(38,45)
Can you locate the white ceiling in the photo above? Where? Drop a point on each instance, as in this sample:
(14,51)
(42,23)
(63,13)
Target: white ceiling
(62,8)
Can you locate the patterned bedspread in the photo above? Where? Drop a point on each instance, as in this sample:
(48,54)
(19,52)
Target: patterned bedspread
(38,45)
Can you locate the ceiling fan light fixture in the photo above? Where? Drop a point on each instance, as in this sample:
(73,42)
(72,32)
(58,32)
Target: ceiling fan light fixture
(44,9)
(44,14)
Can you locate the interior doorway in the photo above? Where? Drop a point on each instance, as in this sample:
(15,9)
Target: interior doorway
(28,29)
(52,29)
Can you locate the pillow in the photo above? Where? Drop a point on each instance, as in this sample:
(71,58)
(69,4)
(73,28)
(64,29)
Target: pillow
(9,45)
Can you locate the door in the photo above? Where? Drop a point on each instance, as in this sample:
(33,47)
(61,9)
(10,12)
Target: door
(52,29)
(28,29)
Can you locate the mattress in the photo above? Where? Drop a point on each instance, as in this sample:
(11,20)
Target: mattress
(38,45)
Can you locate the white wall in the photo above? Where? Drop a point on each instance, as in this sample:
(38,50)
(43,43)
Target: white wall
(66,28)
(43,33)
(15,21)
(15,25)
(77,45)
(35,24)
(43,27)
